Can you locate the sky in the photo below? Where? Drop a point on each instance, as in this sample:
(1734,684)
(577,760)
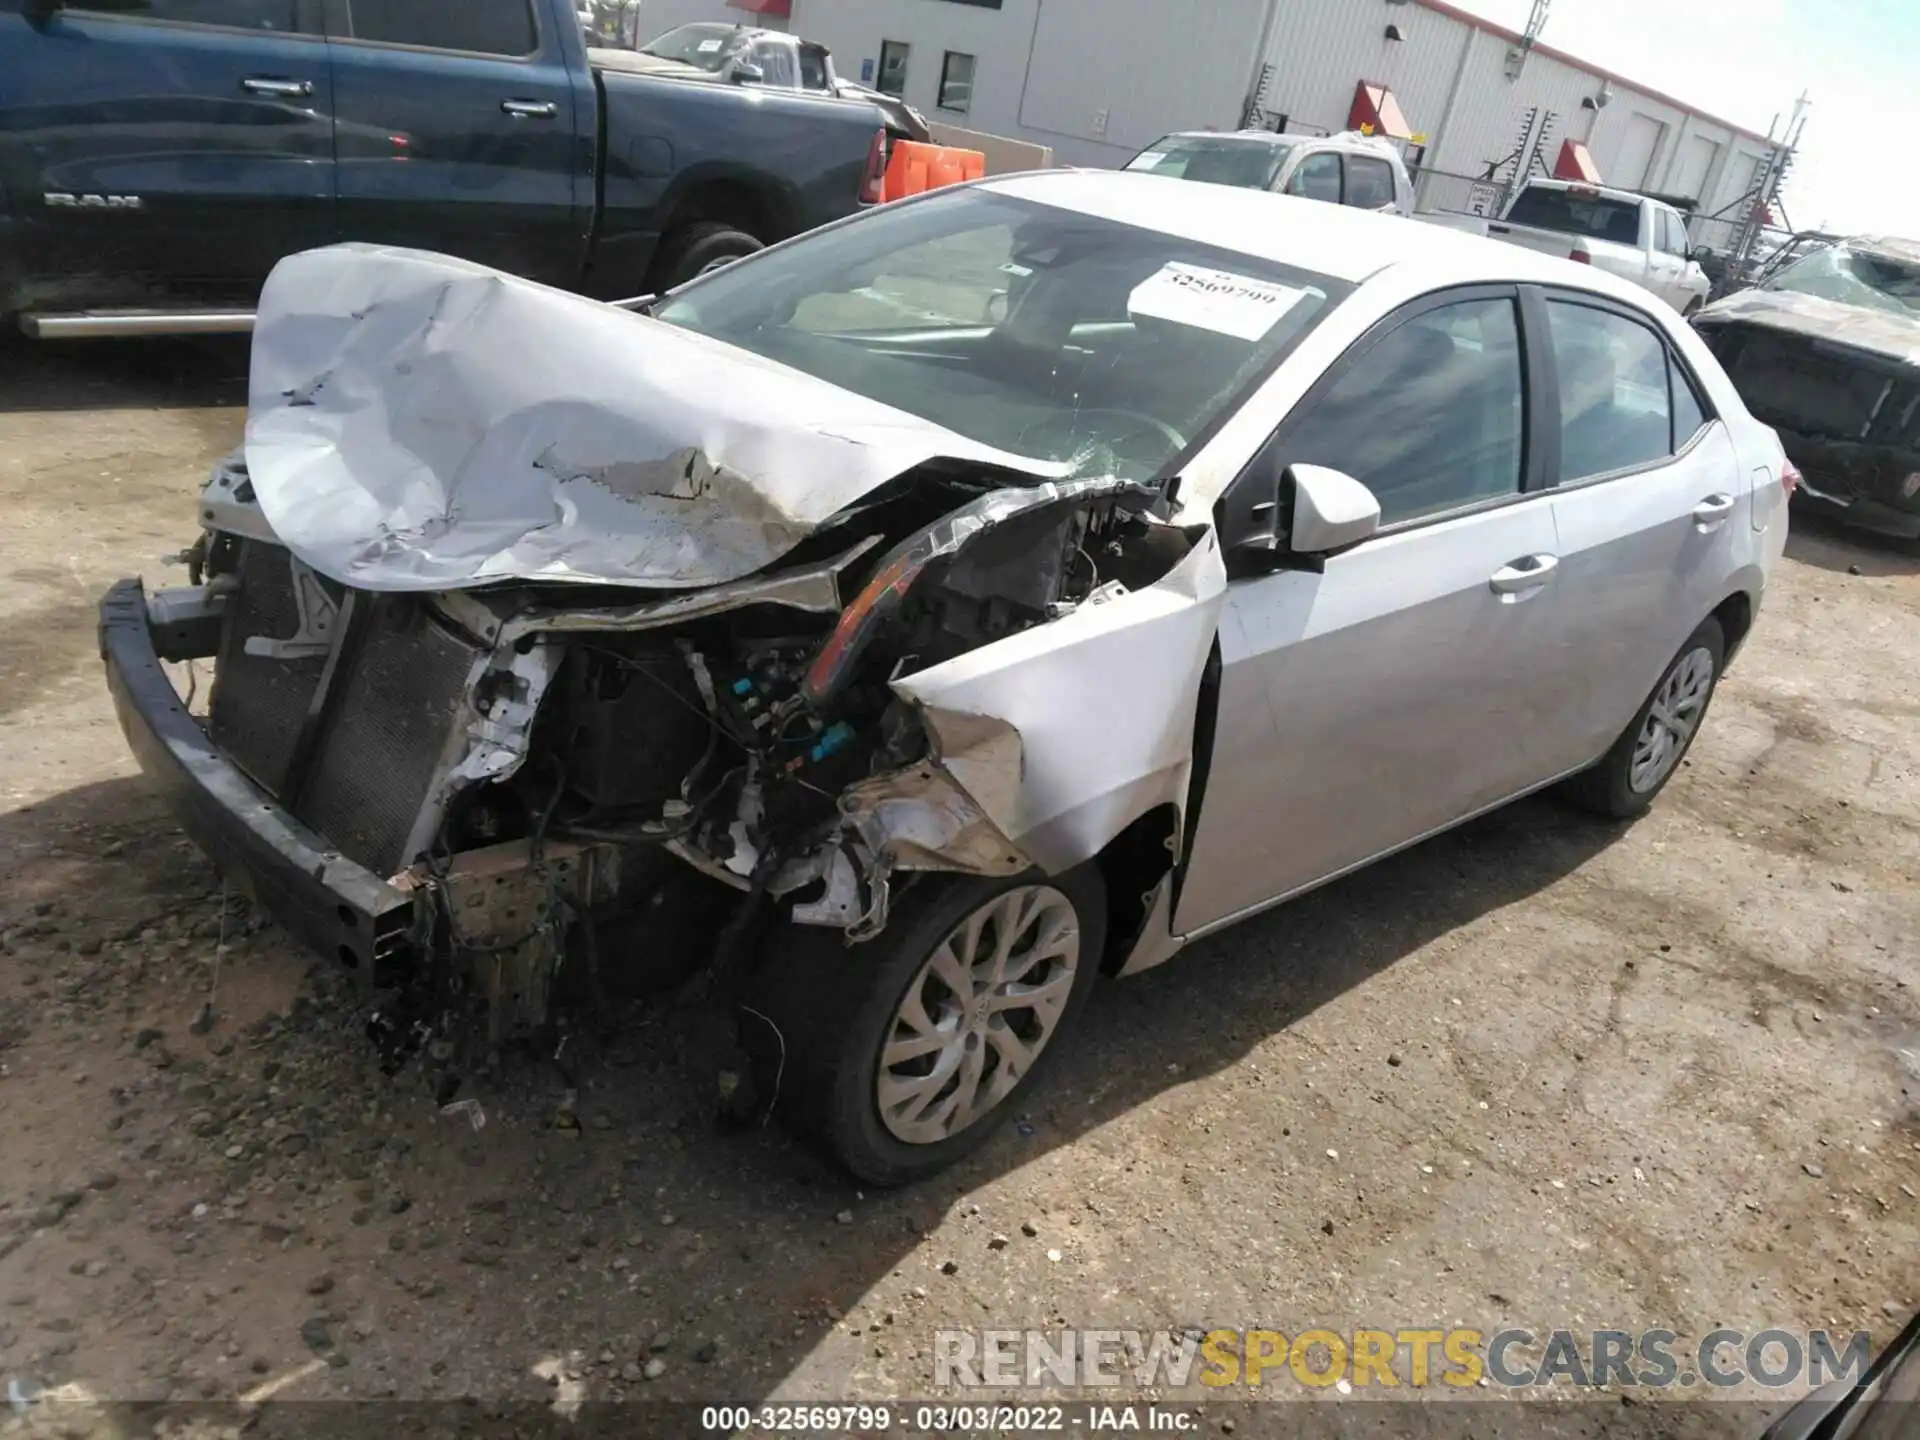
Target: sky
(1748,60)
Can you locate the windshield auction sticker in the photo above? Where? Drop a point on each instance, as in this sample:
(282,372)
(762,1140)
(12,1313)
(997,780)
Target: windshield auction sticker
(1216,300)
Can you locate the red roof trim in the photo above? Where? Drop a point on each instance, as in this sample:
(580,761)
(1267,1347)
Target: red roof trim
(782,8)
(1441,7)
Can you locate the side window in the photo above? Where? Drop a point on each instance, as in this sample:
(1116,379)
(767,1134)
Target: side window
(274,16)
(1369,183)
(813,68)
(1616,408)
(1318,178)
(1682,243)
(1431,417)
(776,64)
(483,27)
(893,68)
(1689,415)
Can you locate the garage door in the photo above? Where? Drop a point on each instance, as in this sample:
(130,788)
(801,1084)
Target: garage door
(1642,143)
(1696,164)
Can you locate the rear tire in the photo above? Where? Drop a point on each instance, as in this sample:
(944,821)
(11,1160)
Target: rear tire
(823,1014)
(694,249)
(1650,750)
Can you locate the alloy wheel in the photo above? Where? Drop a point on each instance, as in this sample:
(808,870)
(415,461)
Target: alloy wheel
(977,1015)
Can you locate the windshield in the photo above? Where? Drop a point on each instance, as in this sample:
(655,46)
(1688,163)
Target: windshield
(1053,334)
(1571,213)
(1854,277)
(705,47)
(1250,164)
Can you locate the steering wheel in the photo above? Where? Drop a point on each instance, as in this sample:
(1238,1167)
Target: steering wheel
(1140,423)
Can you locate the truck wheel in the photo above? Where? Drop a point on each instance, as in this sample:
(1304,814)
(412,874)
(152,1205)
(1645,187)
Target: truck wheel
(702,246)
(1649,751)
(902,1055)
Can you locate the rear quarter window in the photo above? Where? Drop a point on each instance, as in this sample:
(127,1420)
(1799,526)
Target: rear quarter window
(1594,216)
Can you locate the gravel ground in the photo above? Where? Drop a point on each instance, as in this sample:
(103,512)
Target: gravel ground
(1539,1072)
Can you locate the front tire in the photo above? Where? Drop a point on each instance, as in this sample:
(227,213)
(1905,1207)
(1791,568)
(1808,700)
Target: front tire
(903,1055)
(1648,753)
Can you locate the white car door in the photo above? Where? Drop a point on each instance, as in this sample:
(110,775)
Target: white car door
(1648,512)
(1399,689)
(1669,254)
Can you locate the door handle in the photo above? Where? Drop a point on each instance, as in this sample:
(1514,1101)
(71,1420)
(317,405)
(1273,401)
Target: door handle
(530,109)
(287,89)
(1713,511)
(1525,575)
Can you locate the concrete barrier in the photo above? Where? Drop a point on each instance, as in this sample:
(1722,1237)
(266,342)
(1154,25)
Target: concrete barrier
(1004,156)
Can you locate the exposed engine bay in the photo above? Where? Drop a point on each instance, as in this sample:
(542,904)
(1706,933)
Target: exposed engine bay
(538,765)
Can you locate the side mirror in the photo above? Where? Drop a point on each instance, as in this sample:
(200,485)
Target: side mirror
(1318,511)
(1332,511)
(747,73)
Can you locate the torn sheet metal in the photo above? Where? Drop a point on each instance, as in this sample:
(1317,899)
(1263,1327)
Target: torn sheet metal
(815,590)
(417,422)
(1878,332)
(1065,734)
(920,819)
(875,607)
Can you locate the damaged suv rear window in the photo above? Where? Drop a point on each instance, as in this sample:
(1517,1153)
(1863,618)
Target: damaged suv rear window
(1046,332)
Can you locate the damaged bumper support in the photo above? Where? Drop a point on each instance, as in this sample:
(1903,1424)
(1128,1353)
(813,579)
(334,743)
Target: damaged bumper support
(335,906)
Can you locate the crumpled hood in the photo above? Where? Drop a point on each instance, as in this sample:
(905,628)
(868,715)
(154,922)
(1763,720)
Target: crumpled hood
(1877,331)
(417,422)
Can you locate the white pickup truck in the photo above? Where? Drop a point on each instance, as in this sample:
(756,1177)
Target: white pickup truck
(1625,234)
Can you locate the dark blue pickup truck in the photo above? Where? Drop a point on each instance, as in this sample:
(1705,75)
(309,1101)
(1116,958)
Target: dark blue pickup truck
(158,157)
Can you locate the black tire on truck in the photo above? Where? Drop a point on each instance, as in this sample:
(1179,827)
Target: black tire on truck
(865,1050)
(701,246)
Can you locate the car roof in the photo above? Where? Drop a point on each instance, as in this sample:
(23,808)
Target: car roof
(1332,240)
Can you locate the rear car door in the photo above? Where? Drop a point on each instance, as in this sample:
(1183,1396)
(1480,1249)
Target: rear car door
(1647,503)
(461,128)
(167,148)
(1402,688)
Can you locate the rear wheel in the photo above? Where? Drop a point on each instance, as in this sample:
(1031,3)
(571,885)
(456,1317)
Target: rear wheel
(905,1054)
(697,248)
(1649,751)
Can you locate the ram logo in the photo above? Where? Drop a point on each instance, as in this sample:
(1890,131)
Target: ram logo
(60,201)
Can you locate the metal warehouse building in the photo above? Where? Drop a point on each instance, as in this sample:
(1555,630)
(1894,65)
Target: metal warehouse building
(1098,80)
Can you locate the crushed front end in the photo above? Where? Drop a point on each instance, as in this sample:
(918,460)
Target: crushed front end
(462,792)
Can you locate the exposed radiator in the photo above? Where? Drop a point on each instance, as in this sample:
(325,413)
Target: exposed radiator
(386,728)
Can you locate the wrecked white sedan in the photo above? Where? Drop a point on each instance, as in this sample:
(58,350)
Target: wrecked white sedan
(996,590)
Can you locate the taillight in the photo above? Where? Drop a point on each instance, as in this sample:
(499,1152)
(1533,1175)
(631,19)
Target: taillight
(1790,478)
(873,181)
(1581,257)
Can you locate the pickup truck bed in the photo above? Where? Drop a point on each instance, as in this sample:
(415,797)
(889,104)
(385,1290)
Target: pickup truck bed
(154,170)
(1629,235)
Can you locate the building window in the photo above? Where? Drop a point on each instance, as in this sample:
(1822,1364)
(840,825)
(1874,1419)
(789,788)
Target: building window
(893,68)
(956,82)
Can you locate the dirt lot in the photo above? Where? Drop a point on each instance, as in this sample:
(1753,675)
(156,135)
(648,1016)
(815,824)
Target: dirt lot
(1535,1073)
